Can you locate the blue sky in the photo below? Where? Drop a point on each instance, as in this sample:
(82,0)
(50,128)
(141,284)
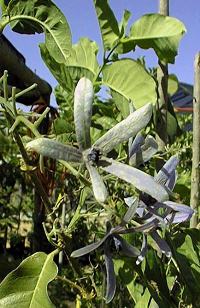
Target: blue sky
(81,17)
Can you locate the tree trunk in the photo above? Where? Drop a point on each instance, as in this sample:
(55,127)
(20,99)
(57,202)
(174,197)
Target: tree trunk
(194,199)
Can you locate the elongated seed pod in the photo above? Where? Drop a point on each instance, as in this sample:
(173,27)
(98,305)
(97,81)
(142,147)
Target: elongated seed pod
(83,98)
(55,150)
(142,181)
(125,129)
(98,186)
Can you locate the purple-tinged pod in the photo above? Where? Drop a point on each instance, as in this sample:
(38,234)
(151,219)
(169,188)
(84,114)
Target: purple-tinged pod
(144,153)
(162,244)
(167,172)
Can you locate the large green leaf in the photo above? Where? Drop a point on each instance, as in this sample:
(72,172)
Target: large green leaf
(26,286)
(162,33)
(83,99)
(121,102)
(108,24)
(130,79)
(36,16)
(58,70)
(82,62)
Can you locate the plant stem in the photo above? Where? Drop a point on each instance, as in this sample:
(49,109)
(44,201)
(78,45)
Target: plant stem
(195,179)
(162,101)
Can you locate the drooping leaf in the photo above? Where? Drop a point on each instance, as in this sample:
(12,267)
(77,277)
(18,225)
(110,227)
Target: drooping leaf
(161,243)
(131,80)
(89,248)
(162,33)
(83,99)
(26,286)
(143,250)
(54,149)
(38,16)
(125,129)
(126,248)
(58,70)
(108,24)
(82,62)
(98,186)
(142,181)
(110,276)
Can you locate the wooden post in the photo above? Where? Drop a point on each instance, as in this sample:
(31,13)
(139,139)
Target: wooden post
(194,199)
(162,102)
(20,75)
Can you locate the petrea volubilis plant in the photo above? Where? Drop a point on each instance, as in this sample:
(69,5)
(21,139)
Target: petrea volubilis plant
(93,155)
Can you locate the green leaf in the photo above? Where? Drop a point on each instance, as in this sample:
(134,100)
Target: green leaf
(186,252)
(155,274)
(162,33)
(36,16)
(26,286)
(3,6)
(129,78)
(124,22)
(54,149)
(171,125)
(61,126)
(83,99)
(58,70)
(121,102)
(172,84)
(106,122)
(108,24)
(82,62)
(142,181)
(125,129)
